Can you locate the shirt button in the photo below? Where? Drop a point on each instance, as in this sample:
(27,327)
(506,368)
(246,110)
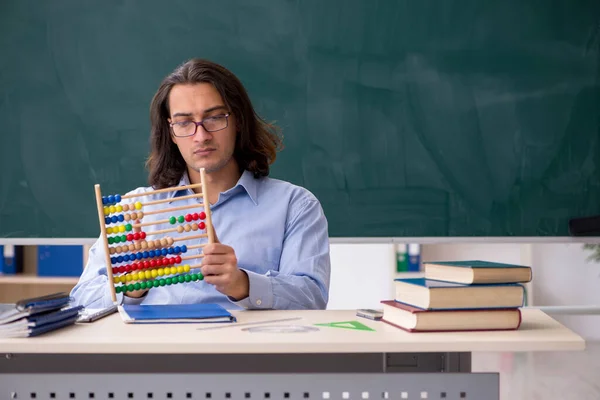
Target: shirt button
(258,302)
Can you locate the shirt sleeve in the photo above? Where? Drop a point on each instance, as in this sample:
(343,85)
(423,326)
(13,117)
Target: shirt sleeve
(92,290)
(302,281)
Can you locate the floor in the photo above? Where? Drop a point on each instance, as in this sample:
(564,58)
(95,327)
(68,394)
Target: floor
(545,375)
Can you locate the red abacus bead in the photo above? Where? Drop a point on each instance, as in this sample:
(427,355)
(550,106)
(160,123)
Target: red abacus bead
(165,261)
(188,217)
(201,225)
(115,270)
(147,264)
(128,268)
(136,236)
(136,265)
(195,216)
(143,235)
(202,215)
(129,237)
(177,260)
(153,263)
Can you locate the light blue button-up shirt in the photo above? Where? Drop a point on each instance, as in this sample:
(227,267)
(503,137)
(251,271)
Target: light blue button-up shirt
(277,230)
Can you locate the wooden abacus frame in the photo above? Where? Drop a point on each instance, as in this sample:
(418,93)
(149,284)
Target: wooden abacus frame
(142,244)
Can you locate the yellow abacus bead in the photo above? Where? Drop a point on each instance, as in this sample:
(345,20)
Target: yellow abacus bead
(106,210)
(112,209)
(122,228)
(161,272)
(180,269)
(127,278)
(154,273)
(119,208)
(173,270)
(186,268)
(138,205)
(147,274)
(116,279)
(108,231)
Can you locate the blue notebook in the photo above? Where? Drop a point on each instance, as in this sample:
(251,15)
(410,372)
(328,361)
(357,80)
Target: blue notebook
(37,324)
(174,313)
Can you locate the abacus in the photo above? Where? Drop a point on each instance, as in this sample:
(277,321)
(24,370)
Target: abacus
(133,260)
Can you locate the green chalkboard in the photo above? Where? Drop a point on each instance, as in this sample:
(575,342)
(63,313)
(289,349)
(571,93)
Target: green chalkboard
(405,118)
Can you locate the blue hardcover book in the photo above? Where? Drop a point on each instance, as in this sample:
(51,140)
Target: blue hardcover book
(477,272)
(174,313)
(430,294)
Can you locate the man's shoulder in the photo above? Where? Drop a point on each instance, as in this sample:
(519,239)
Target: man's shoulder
(286,189)
(148,192)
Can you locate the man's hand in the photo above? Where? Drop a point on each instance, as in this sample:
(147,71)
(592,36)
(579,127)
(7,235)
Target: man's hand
(219,267)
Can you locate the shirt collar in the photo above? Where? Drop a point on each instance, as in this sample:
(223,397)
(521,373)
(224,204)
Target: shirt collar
(246,182)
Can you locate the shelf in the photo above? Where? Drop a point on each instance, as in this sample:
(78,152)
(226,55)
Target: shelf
(37,280)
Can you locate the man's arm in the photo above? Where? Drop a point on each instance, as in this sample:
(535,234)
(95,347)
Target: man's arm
(92,290)
(302,281)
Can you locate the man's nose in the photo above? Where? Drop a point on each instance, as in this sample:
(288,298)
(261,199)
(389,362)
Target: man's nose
(202,135)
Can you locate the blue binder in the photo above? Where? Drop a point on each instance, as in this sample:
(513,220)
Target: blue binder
(174,313)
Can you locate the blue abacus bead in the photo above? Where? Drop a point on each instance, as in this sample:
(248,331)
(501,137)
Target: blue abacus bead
(145,253)
(164,252)
(120,259)
(151,253)
(183,248)
(121,218)
(117,198)
(170,250)
(104,200)
(126,257)
(177,249)
(111,199)
(139,255)
(107,220)
(114,219)
(113,260)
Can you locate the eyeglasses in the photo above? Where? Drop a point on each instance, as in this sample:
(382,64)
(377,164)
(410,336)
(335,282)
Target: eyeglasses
(210,124)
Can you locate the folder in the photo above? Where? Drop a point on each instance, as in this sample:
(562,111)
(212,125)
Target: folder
(40,323)
(32,306)
(174,313)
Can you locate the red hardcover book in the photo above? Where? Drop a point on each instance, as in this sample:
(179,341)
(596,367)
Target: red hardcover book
(413,319)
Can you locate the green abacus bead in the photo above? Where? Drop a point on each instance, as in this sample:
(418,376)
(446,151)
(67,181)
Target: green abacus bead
(168,281)
(123,238)
(130,287)
(110,240)
(128,227)
(200,276)
(156,283)
(137,286)
(181,219)
(118,289)
(162,282)
(188,278)
(194,277)
(172,220)
(143,285)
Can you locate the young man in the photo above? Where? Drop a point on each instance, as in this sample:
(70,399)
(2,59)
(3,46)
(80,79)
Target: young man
(272,246)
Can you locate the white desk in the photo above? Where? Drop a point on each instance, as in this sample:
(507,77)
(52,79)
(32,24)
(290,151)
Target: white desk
(110,357)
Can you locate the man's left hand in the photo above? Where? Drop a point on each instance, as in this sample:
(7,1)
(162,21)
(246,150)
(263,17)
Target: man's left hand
(220,268)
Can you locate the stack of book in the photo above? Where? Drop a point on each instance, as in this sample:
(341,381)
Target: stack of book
(35,316)
(459,296)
